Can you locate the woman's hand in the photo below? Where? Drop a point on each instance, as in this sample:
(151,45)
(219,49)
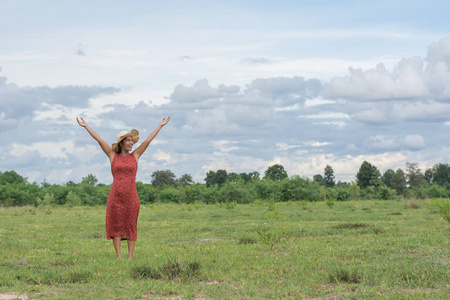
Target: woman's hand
(164,121)
(82,123)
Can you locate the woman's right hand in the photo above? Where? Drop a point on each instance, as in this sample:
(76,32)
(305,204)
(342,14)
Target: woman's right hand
(82,122)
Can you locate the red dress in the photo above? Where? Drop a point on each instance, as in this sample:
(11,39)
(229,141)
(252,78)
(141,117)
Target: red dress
(122,208)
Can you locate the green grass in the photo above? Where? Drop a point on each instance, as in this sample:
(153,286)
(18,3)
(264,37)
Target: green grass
(355,250)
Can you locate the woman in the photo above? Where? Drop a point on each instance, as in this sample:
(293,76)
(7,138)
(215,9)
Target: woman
(122,208)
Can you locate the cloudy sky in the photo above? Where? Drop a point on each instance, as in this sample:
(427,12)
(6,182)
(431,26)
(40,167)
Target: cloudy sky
(247,83)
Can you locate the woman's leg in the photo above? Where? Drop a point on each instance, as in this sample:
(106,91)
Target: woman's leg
(130,248)
(116,242)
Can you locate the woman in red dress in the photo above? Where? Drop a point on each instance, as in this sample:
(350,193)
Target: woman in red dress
(122,208)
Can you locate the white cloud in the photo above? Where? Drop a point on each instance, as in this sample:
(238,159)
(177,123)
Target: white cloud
(45,149)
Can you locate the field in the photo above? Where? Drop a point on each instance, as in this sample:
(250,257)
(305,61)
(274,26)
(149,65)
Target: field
(353,250)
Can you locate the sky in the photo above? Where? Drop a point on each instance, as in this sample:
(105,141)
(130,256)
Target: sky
(247,84)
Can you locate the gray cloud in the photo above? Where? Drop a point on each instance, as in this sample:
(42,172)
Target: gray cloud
(77,96)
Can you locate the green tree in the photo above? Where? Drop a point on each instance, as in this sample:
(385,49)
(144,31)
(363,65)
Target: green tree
(185,180)
(218,177)
(368,175)
(398,182)
(90,179)
(233,177)
(275,172)
(414,175)
(163,177)
(354,190)
(11,177)
(387,177)
(441,174)
(245,177)
(319,179)
(428,175)
(328,176)
(250,176)
(376,180)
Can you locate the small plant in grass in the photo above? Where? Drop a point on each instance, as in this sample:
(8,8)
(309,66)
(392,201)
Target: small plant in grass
(47,203)
(330,202)
(230,205)
(350,225)
(246,240)
(397,213)
(411,204)
(274,230)
(170,270)
(302,204)
(258,202)
(341,274)
(442,206)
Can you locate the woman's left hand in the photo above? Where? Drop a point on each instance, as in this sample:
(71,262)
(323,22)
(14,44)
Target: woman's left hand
(164,121)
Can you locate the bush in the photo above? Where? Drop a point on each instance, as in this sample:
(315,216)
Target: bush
(386,193)
(170,194)
(342,194)
(147,193)
(72,199)
(266,189)
(236,192)
(193,193)
(443,207)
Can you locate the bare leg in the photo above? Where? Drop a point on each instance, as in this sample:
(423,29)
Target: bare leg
(116,242)
(130,248)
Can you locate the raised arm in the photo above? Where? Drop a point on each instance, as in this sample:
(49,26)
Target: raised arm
(105,147)
(141,149)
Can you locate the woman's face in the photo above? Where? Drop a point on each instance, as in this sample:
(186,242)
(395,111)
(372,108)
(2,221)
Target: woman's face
(127,143)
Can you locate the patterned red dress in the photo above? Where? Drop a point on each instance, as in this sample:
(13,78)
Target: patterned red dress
(122,208)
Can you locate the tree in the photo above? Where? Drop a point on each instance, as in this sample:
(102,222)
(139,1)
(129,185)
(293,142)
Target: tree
(414,175)
(398,181)
(387,177)
(233,177)
(368,175)
(218,177)
(185,179)
(11,177)
(376,180)
(441,174)
(329,176)
(319,179)
(428,175)
(275,172)
(163,177)
(90,179)
(247,177)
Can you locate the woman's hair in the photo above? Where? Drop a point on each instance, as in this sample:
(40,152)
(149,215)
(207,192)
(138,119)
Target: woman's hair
(119,146)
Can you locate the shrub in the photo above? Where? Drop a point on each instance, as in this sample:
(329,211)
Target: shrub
(236,192)
(274,229)
(411,204)
(72,199)
(170,194)
(443,207)
(330,202)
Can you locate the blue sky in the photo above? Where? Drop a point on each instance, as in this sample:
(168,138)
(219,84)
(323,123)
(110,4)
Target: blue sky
(247,84)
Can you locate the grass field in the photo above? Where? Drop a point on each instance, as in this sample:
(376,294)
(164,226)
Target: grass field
(354,250)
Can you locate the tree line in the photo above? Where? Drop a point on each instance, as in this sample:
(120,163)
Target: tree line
(221,186)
